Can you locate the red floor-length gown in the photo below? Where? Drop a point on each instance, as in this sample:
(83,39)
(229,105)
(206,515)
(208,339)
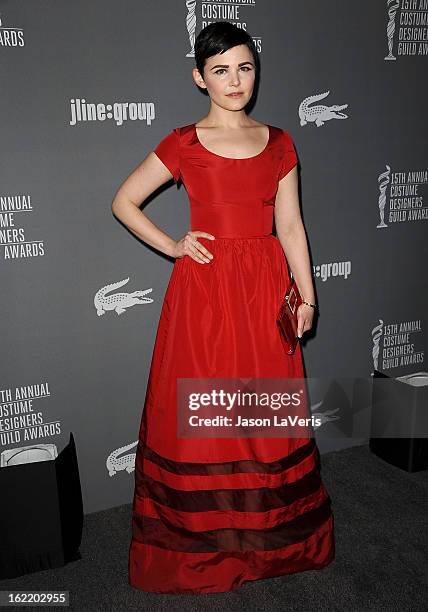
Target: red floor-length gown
(211,514)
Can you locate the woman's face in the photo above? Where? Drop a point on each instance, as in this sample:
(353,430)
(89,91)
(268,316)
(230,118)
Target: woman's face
(230,72)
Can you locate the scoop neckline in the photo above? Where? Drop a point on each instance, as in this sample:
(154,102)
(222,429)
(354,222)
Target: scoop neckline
(234,158)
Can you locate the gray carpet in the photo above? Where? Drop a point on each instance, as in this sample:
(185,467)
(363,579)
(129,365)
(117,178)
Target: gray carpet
(381,527)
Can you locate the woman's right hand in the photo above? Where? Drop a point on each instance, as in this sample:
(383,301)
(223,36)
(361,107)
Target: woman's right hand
(189,245)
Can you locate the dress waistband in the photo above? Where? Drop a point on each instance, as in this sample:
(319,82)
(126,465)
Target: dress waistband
(256,237)
(245,237)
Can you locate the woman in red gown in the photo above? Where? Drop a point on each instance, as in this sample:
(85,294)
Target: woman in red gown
(210,514)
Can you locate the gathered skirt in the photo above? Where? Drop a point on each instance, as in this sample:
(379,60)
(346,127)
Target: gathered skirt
(210,514)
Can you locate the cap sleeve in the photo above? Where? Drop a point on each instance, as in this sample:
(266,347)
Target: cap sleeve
(168,151)
(289,157)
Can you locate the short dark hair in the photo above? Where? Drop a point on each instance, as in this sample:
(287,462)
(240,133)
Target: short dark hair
(218,37)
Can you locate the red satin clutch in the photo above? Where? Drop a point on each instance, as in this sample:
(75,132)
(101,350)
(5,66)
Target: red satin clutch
(287,318)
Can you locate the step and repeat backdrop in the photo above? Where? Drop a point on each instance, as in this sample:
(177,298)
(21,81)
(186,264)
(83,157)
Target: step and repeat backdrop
(88,90)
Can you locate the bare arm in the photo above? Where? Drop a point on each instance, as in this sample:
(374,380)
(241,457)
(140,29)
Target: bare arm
(292,235)
(148,176)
